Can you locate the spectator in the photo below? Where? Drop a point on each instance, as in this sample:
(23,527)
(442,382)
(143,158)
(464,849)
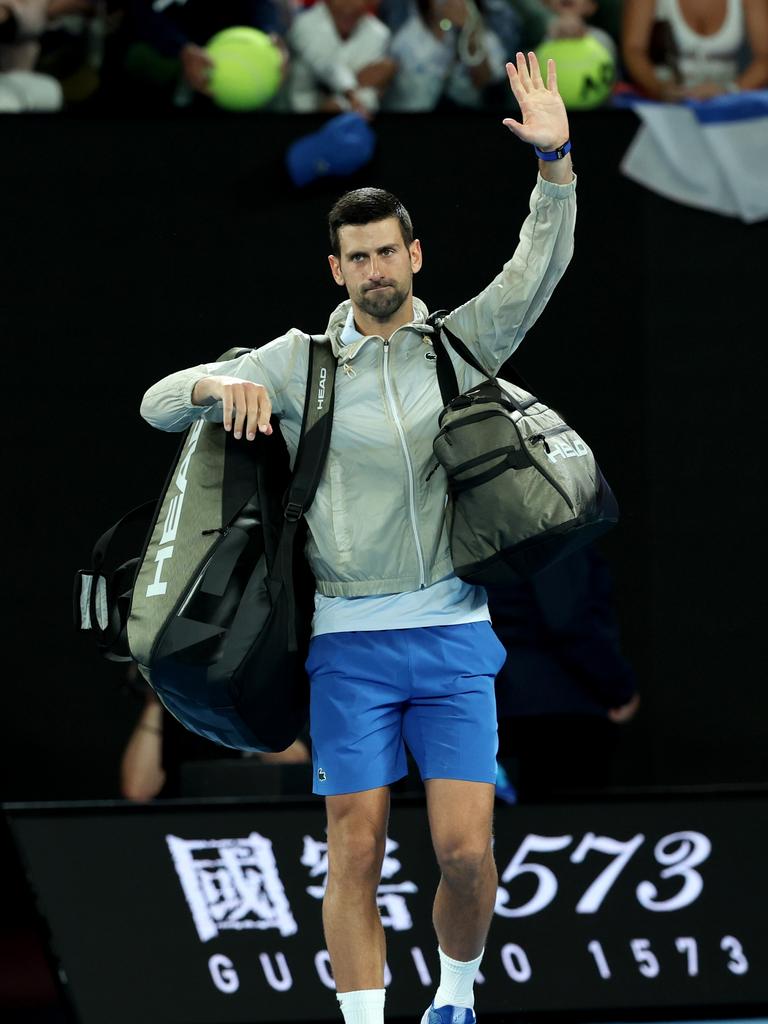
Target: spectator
(565,685)
(340,58)
(499,15)
(22,23)
(534,17)
(159,746)
(607,16)
(74,45)
(672,53)
(177,30)
(444,52)
(537,17)
(570,22)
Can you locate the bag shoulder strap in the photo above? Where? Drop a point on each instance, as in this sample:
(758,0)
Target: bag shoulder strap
(446,374)
(314,442)
(316,426)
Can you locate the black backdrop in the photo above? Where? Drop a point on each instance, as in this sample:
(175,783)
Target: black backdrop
(133,247)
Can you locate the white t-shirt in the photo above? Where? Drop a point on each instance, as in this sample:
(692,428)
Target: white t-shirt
(712,58)
(325,63)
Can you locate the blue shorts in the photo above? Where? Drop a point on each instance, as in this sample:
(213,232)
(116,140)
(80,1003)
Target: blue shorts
(431,687)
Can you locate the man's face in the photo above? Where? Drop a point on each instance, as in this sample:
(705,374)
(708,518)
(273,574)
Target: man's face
(347,13)
(376,266)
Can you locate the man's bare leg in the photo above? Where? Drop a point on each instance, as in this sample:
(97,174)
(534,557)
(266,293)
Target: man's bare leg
(357,834)
(461,822)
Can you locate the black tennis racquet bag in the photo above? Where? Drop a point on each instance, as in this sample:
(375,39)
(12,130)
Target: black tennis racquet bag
(217,609)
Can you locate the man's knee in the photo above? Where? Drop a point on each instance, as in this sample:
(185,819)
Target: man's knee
(465,861)
(357,838)
(356,858)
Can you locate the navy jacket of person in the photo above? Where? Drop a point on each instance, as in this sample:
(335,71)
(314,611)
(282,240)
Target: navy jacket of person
(562,639)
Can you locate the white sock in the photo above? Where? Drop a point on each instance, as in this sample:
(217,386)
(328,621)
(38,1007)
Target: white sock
(456,980)
(363,1007)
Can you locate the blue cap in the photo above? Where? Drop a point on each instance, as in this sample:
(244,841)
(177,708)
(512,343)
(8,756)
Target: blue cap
(342,146)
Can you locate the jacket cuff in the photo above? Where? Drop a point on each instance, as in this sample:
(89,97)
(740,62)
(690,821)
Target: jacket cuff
(555,191)
(184,393)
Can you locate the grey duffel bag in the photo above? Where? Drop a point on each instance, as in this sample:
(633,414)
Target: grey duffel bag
(524,487)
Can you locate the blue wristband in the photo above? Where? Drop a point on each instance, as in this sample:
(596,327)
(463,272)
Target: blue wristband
(555,154)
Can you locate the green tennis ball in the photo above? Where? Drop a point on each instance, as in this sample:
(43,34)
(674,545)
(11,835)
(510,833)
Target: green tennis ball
(247,68)
(585,70)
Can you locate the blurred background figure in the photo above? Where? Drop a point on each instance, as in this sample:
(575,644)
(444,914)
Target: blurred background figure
(446,56)
(160,751)
(677,49)
(570,22)
(539,19)
(500,15)
(163,43)
(565,686)
(339,58)
(585,54)
(22,87)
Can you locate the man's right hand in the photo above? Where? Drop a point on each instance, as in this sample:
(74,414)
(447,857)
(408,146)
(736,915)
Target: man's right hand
(244,404)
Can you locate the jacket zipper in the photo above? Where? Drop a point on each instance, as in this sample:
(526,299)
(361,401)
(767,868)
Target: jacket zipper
(411,481)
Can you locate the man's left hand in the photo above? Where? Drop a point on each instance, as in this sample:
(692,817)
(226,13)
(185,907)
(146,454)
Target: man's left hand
(545,122)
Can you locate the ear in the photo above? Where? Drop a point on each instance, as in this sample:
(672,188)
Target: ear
(416,257)
(335,266)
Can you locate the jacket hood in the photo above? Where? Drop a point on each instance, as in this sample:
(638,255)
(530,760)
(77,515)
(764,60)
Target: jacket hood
(338,318)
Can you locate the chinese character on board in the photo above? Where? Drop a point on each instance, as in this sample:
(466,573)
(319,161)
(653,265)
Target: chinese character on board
(390,898)
(231,884)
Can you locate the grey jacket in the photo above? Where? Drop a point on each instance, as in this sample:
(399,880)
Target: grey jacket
(378,522)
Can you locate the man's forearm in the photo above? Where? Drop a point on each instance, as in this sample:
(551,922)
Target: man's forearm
(559,172)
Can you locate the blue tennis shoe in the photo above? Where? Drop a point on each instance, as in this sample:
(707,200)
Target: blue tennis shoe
(449,1015)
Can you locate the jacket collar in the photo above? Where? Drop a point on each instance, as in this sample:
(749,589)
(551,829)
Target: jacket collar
(346,350)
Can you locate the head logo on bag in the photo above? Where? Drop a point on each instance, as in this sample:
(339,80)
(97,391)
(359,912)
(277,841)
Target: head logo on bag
(566,451)
(321,388)
(171,523)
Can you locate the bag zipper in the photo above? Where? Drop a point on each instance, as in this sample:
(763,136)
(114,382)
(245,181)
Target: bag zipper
(534,439)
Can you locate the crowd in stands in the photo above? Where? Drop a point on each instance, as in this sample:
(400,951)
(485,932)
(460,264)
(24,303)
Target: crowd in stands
(366,55)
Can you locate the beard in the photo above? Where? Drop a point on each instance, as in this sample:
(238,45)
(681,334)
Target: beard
(382,303)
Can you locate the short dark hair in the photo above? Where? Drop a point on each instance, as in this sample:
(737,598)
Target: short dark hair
(9,29)
(365,206)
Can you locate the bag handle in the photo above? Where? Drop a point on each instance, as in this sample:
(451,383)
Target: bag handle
(93,587)
(101,547)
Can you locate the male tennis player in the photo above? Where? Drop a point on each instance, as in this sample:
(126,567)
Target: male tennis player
(402,651)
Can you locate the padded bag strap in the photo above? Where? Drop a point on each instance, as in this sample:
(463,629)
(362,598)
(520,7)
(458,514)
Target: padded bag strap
(315,428)
(312,452)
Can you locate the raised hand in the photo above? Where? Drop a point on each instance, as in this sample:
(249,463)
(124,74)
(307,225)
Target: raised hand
(545,121)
